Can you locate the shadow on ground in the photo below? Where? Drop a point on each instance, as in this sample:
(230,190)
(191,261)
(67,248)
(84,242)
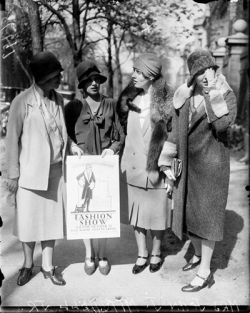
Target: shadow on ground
(223,249)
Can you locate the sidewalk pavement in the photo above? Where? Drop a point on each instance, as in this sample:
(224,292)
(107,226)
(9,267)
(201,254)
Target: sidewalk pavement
(122,288)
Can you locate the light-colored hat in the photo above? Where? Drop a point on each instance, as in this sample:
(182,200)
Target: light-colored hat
(149,64)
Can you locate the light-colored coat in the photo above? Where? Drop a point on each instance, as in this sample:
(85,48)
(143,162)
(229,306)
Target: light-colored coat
(28,146)
(143,145)
(134,159)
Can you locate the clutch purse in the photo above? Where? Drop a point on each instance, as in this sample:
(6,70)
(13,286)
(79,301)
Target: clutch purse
(176,167)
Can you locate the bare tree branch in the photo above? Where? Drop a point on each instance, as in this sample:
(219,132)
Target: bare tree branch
(62,20)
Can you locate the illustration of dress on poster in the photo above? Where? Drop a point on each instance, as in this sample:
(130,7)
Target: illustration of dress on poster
(93,197)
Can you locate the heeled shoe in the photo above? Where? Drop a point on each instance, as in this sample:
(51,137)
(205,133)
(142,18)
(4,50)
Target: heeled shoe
(54,277)
(190,265)
(104,270)
(25,275)
(139,268)
(90,269)
(154,267)
(208,282)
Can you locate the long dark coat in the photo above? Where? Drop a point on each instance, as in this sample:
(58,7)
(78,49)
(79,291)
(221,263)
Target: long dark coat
(200,195)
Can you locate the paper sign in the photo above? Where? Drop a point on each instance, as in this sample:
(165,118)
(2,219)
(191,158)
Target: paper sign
(93,204)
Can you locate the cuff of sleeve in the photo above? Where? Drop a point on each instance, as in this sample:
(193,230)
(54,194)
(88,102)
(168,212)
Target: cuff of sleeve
(112,147)
(218,104)
(169,151)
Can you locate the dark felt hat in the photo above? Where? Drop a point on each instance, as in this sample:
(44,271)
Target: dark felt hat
(44,66)
(86,70)
(198,61)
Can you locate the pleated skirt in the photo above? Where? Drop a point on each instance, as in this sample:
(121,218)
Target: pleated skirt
(147,208)
(40,215)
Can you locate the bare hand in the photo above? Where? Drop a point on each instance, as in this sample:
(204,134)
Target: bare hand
(170,175)
(12,185)
(75,150)
(106,152)
(169,188)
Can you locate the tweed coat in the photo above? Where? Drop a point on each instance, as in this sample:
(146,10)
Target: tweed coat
(28,156)
(200,195)
(140,157)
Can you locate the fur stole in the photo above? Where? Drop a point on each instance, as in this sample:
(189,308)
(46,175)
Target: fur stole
(160,112)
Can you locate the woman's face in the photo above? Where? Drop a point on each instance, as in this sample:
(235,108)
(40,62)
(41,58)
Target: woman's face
(139,80)
(52,83)
(92,86)
(205,77)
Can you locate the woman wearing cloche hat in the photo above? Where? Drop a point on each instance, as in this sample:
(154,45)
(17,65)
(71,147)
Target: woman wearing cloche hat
(205,108)
(145,109)
(92,122)
(36,146)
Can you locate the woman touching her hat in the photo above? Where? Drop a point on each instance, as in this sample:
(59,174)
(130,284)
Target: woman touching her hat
(93,124)
(145,111)
(36,146)
(205,107)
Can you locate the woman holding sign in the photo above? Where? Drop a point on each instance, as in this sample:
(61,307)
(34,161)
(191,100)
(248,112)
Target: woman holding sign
(145,109)
(93,124)
(36,147)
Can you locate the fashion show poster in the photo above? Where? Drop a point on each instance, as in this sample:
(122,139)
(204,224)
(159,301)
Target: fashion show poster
(93,203)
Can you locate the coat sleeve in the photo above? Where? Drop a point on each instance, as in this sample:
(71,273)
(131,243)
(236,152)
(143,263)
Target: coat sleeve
(72,111)
(117,133)
(169,150)
(14,132)
(221,108)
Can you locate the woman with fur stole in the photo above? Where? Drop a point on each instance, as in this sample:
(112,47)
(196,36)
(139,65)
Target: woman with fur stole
(145,108)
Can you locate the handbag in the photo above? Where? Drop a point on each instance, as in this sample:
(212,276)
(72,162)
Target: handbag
(176,167)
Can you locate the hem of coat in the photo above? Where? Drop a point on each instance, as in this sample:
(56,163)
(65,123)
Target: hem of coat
(204,237)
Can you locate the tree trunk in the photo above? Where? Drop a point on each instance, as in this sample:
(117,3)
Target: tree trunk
(35,25)
(118,67)
(110,89)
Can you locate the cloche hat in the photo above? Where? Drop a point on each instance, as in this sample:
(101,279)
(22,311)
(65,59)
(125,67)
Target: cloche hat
(44,66)
(198,61)
(85,70)
(149,64)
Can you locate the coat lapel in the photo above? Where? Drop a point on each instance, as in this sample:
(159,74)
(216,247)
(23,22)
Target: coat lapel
(136,128)
(34,102)
(197,116)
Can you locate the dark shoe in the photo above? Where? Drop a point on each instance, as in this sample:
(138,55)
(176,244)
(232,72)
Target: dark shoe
(24,275)
(208,282)
(190,265)
(90,269)
(104,270)
(54,277)
(154,267)
(139,268)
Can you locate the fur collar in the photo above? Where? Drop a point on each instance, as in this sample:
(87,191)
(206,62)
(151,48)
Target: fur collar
(160,104)
(184,92)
